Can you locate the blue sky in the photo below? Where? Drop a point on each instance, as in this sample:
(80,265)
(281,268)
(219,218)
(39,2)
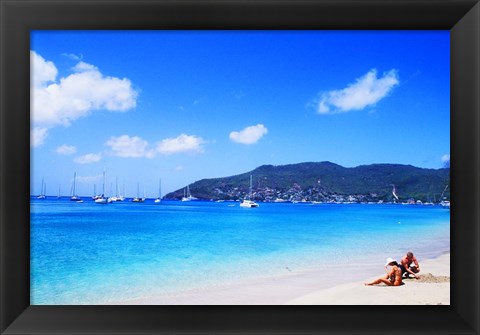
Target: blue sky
(188,105)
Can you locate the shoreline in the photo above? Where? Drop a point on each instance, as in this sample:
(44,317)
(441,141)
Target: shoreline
(433,288)
(305,288)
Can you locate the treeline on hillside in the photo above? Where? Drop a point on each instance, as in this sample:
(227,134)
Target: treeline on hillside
(326,181)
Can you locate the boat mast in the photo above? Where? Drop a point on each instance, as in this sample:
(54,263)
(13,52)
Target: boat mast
(441,197)
(160,188)
(394,193)
(103,186)
(250,196)
(74,177)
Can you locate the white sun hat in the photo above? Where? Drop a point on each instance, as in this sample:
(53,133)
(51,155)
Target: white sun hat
(390,260)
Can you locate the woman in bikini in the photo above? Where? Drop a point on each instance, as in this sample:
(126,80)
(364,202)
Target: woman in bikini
(393,277)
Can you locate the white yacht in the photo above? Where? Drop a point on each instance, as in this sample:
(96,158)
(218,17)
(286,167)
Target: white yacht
(159,199)
(137,198)
(445,204)
(117,196)
(103,200)
(95,195)
(187,196)
(43,191)
(74,197)
(248,203)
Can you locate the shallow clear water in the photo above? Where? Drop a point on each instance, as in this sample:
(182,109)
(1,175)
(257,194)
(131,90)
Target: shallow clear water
(85,253)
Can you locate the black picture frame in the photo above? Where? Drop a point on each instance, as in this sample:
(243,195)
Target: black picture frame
(19,17)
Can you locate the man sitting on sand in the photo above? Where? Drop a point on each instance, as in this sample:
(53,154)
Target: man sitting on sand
(407,267)
(393,277)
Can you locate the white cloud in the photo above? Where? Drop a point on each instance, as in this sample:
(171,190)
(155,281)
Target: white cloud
(88,158)
(42,71)
(446,160)
(73,56)
(38,136)
(249,135)
(365,91)
(61,101)
(181,143)
(126,146)
(179,168)
(84,67)
(66,150)
(135,147)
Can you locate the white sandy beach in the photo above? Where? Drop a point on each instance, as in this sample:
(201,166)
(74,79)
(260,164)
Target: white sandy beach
(307,289)
(432,289)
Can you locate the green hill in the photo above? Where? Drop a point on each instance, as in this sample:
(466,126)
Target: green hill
(326,181)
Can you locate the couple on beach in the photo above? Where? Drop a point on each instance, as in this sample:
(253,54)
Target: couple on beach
(398,271)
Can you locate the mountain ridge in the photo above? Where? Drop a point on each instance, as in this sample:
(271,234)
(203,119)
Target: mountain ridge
(326,181)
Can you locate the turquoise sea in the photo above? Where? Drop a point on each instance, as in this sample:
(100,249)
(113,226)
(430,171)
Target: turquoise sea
(86,253)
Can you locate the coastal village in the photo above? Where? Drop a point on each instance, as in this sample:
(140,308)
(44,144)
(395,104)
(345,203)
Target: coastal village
(296,194)
(325,182)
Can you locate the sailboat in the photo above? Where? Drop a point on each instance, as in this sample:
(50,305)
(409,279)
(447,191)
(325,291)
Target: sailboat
(248,203)
(116,197)
(184,198)
(74,197)
(444,203)
(43,191)
(187,196)
(102,199)
(121,197)
(159,199)
(137,198)
(95,195)
(394,193)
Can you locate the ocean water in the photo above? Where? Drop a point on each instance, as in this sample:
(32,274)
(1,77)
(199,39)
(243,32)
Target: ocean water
(86,253)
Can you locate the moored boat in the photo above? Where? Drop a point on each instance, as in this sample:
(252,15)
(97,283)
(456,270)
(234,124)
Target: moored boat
(74,196)
(187,196)
(445,204)
(137,198)
(103,200)
(159,199)
(248,203)
(43,191)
